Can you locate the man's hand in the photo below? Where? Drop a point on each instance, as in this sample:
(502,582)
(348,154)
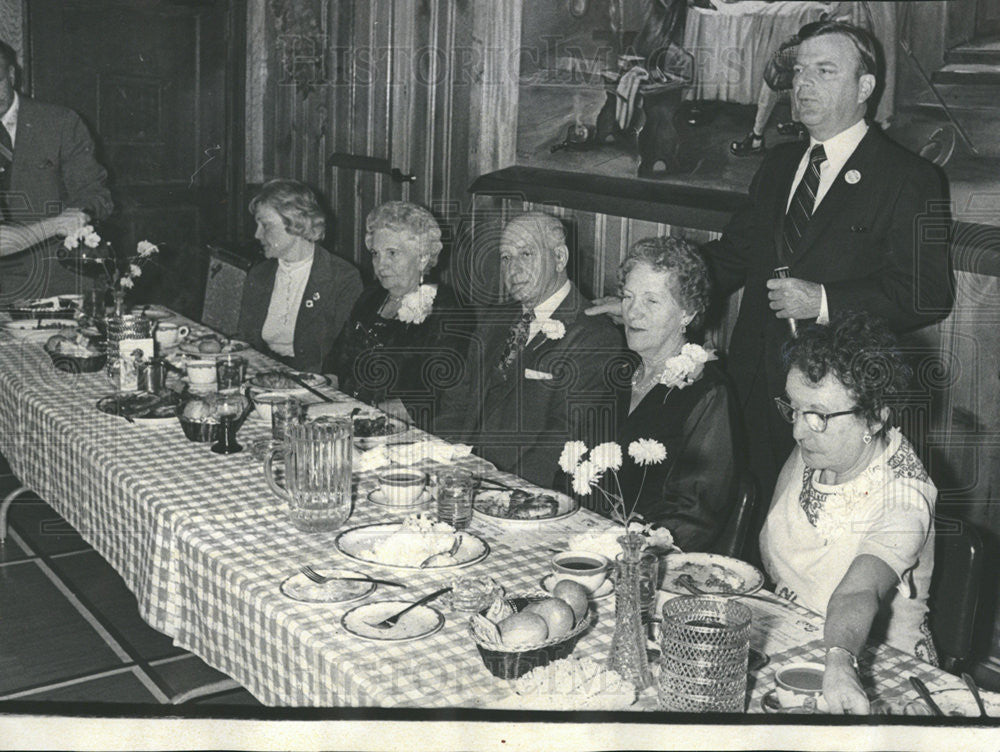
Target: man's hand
(610,305)
(795,298)
(842,690)
(68,222)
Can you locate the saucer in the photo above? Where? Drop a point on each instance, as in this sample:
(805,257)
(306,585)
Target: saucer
(379,498)
(771,705)
(606,588)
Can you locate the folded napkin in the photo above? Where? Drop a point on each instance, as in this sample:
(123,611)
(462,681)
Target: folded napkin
(438,451)
(373,459)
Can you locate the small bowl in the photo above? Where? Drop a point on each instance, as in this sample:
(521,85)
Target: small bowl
(402,487)
(587,568)
(200,431)
(799,685)
(511,663)
(76,364)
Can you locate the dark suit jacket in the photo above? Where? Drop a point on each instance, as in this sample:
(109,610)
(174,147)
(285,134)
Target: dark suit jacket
(54,168)
(337,285)
(879,244)
(521,424)
(693,491)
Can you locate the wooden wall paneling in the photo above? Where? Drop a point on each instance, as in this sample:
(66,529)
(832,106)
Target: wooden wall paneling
(405,87)
(496,38)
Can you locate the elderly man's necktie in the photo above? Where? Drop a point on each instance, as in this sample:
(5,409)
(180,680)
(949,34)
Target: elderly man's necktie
(803,201)
(516,340)
(6,161)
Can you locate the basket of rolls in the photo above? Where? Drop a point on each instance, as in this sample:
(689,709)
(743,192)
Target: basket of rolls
(519,633)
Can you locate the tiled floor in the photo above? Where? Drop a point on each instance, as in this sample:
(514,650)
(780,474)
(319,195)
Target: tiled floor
(70,630)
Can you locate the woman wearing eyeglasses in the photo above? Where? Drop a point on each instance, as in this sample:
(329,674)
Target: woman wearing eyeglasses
(850,532)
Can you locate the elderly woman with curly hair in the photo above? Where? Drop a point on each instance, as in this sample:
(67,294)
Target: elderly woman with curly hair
(405,343)
(296,301)
(678,397)
(850,532)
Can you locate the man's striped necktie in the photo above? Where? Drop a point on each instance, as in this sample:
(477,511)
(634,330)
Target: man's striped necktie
(803,201)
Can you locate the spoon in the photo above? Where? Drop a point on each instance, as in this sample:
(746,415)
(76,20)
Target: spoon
(971,684)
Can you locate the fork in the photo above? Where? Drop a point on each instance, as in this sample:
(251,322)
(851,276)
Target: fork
(456,544)
(319,579)
(391,621)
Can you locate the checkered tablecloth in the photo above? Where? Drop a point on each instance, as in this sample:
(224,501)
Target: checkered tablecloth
(204,545)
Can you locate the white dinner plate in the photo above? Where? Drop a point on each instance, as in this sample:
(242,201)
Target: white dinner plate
(113,404)
(229,346)
(298,587)
(607,587)
(957,702)
(38,330)
(713,573)
(394,429)
(276,380)
(567,506)
(419,622)
(357,542)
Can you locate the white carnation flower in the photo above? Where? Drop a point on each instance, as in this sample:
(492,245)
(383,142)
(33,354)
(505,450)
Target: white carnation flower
(571,454)
(607,456)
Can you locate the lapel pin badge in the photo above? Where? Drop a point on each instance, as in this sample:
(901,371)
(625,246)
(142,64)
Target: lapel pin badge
(852,177)
(309,304)
(315,296)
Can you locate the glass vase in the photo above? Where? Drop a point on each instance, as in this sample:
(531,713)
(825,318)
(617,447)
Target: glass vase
(628,646)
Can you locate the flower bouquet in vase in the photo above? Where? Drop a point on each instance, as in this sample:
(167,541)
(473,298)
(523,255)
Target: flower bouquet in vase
(636,571)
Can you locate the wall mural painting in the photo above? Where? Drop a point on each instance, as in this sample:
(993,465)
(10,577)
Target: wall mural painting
(676,89)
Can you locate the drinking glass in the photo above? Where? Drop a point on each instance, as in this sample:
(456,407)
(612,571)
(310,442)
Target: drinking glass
(284,414)
(230,371)
(454,498)
(649,582)
(317,473)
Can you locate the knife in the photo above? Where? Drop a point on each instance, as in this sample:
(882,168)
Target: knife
(371,579)
(925,695)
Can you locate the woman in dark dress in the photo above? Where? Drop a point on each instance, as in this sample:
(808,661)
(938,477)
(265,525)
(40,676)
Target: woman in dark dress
(678,397)
(405,344)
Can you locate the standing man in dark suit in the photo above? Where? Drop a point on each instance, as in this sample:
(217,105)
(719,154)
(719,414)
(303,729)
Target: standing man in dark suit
(50,185)
(545,372)
(859,222)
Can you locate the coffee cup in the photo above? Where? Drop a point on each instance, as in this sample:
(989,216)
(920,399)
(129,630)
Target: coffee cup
(168,334)
(799,687)
(587,568)
(201,375)
(402,487)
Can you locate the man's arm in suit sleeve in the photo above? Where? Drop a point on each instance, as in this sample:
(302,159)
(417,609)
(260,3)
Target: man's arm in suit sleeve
(730,256)
(914,288)
(84,180)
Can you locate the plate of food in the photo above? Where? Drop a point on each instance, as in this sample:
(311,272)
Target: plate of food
(373,429)
(208,345)
(39,329)
(59,307)
(515,507)
(404,545)
(141,407)
(569,684)
(711,573)
(280,380)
